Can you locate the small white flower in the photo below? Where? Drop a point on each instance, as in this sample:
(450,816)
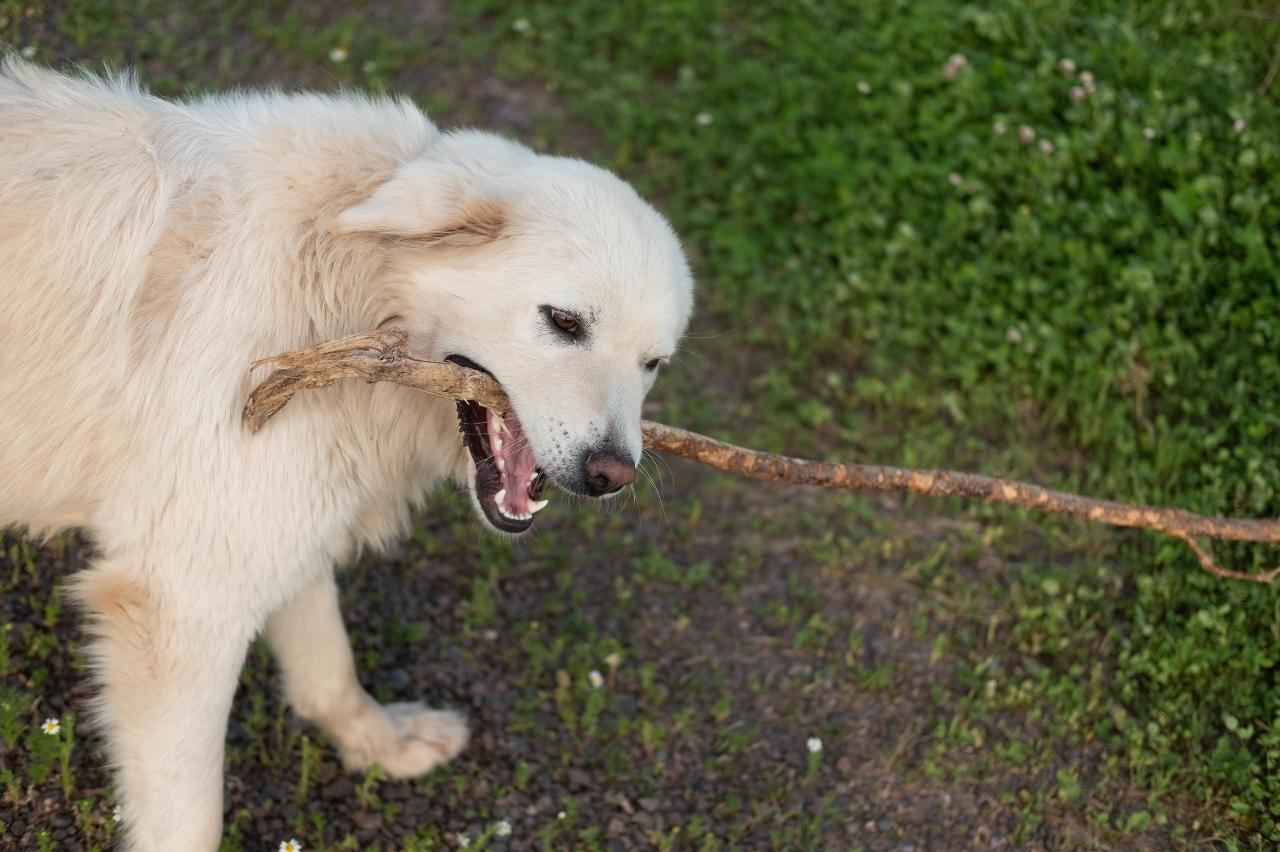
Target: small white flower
(595,678)
(463,840)
(1149,132)
(502,828)
(1013,335)
(338,54)
(1078,93)
(51,726)
(703,118)
(1067,66)
(1046,147)
(955,64)
(1027,134)
(954,179)
(1239,125)
(520,25)
(999,128)
(1086,77)
(290,845)
(117,814)
(613,659)
(814,745)
(561,815)
(864,87)
(29,51)
(369,66)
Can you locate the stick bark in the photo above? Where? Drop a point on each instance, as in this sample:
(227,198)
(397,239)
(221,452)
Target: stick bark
(384,356)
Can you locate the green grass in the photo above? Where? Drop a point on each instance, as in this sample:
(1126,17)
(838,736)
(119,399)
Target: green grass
(883,276)
(913,285)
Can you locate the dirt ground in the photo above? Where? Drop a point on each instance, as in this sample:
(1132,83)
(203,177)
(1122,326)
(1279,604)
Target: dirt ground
(741,641)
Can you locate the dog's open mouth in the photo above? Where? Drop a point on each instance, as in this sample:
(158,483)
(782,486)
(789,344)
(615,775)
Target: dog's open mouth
(508,482)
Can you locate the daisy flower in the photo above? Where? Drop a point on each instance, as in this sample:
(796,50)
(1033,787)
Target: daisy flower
(290,845)
(51,726)
(814,745)
(338,54)
(595,678)
(502,828)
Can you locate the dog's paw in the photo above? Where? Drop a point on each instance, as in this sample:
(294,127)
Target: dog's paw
(406,740)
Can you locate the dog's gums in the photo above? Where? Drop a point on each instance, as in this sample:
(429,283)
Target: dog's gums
(508,481)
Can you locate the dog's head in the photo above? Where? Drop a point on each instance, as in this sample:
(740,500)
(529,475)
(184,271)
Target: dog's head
(554,277)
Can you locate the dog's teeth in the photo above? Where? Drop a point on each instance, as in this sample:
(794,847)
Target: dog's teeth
(537,506)
(497,444)
(533,475)
(502,464)
(499,497)
(498,424)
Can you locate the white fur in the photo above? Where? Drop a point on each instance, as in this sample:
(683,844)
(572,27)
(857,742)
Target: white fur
(149,251)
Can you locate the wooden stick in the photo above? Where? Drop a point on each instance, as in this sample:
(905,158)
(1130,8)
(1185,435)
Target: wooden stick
(384,357)
(379,357)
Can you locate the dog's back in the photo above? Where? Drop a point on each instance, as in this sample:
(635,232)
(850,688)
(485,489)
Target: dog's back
(81,205)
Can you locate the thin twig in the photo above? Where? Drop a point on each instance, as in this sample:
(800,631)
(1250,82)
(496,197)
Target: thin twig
(384,357)
(1270,75)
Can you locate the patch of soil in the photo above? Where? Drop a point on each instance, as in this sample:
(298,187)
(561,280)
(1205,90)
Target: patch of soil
(718,666)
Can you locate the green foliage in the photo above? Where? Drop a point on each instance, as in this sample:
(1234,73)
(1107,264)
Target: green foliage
(13,708)
(904,274)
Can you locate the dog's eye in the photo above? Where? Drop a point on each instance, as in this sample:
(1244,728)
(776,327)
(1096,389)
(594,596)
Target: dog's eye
(564,321)
(652,365)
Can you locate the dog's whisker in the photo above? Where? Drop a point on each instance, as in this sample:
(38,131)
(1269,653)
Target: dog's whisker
(665,474)
(682,357)
(654,484)
(712,335)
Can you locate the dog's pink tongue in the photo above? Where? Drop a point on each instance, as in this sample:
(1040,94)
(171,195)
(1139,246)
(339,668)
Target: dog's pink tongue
(514,458)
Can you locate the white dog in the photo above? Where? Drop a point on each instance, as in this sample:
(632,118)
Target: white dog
(150,250)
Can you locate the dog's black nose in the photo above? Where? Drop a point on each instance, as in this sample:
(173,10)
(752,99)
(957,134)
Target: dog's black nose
(605,472)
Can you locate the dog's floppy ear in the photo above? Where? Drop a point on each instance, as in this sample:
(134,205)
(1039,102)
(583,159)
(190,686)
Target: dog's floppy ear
(428,203)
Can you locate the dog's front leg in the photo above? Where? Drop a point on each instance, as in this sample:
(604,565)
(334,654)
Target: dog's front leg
(167,658)
(406,740)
